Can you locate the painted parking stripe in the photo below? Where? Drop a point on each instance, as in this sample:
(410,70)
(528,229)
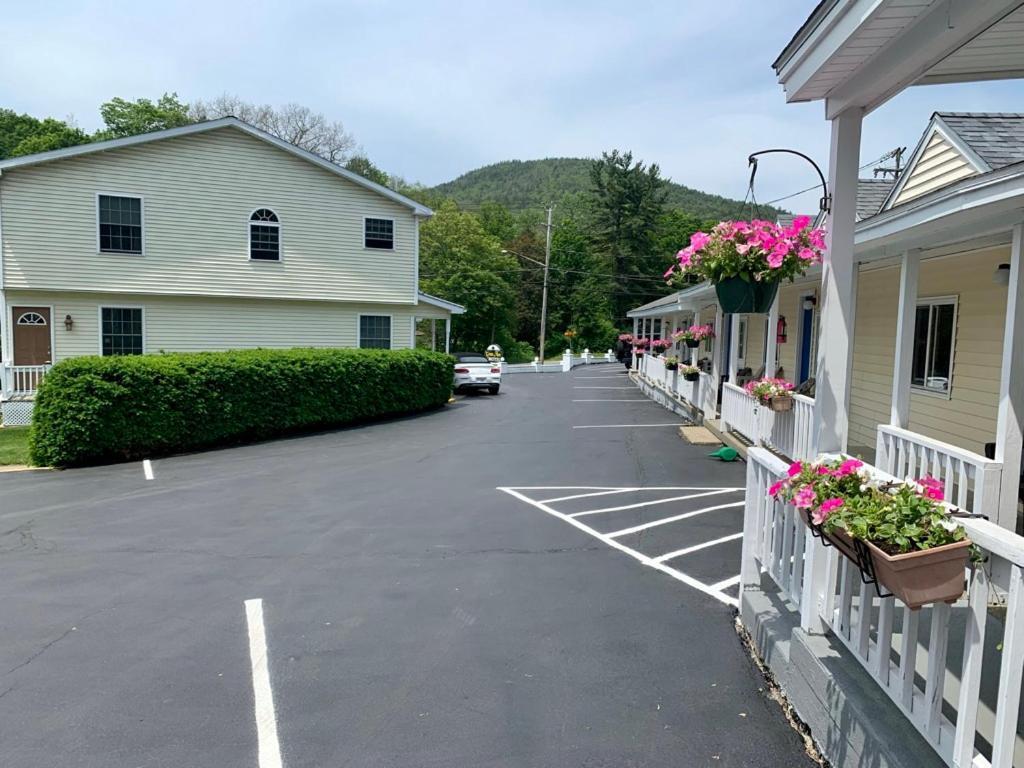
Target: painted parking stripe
(269,748)
(698,547)
(732,581)
(674,518)
(616,400)
(147,469)
(631,426)
(592,493)
(597,387)
(713,492)
(644,559)
(594,378)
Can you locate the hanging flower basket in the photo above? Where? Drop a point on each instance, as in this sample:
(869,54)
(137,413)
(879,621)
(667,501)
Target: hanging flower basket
(692,343)
(671,363)
(897,534)
(738,296)
(691,372)
(746,261)
(694,335)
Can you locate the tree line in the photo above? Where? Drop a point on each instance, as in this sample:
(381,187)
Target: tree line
(609,247)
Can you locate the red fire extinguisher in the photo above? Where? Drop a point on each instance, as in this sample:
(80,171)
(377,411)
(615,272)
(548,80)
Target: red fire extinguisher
(780,330)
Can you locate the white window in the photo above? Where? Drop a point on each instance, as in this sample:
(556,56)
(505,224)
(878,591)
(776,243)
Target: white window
(375,331)
(934,337)
(121,331)
(119,224)
(264,235)
(379,233)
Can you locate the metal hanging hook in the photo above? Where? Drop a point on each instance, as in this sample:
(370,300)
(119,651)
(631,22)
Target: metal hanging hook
(825,203)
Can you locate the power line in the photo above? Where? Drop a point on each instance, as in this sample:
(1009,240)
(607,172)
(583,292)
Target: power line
(812,188)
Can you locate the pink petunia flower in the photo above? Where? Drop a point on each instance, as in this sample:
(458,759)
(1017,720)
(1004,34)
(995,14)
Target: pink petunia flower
(826,508)
(801,223)
(805,497)
(795,469)
(932,488)
(699,239)
(776,488)
(848,467)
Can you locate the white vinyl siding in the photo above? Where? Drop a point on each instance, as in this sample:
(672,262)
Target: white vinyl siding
(199,192)
(968,417)
(939,165)
(198,324)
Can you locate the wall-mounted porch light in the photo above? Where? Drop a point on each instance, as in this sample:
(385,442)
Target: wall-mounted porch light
(810,302)
(1002,275)
(68,323)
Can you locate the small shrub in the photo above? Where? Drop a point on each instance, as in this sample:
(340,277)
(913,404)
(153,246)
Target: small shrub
(97,409)
(519,352)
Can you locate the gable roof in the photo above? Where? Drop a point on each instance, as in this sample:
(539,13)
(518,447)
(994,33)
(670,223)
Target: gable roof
(871,193)
(434,301)
(213,125)
(996,137)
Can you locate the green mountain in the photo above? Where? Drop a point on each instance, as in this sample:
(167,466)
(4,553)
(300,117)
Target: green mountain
(526,184)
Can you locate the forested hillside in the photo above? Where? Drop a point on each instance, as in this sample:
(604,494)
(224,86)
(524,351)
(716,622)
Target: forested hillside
(523,184)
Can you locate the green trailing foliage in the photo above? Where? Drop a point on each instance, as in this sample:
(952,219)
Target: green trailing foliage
(92,410)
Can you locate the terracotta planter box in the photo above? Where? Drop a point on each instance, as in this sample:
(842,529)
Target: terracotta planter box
(784,403)
(917,578)
(925,576)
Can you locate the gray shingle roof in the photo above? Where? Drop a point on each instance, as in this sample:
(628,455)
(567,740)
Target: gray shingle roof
(871,193)
(997,137)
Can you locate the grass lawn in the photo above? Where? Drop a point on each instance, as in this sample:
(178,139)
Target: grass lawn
(13,445)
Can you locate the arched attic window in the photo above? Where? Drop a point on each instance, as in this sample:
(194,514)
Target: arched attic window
(264,235)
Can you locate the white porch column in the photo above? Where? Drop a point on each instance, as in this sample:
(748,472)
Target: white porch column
(695,351)
(905,320)
(771,340)
(1010,422)
(716,357)
(734,347)
(447,334)
(835,347)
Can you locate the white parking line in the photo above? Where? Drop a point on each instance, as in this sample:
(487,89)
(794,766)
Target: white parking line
(592,378)
(269,751)
(651,563)
(732,581)
(674,518)
(630,426)
(147,469)
(596,387)
(594,493)
(616,400)
(697,547)
(651,503)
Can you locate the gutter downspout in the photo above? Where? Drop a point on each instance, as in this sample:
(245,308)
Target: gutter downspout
(5,346)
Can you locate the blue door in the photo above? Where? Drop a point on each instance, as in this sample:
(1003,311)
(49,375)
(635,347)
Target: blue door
(806,332)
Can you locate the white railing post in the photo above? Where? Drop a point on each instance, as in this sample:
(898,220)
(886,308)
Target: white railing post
(1010,420)
(749,572)
(566,361)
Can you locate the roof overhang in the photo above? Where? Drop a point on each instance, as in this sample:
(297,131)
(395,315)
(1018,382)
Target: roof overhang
(860,53)
(686,300)
(434,301)
(973,208)
(213,125)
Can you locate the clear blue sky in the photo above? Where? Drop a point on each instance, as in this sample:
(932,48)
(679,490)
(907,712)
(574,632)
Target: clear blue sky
(432,90)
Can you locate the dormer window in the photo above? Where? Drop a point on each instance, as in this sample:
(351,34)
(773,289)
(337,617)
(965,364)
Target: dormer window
(264,235)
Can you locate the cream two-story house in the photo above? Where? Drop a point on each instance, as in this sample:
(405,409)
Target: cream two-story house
(207,237)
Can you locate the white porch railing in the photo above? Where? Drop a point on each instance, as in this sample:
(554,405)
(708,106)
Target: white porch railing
(21,380)
(787,432)
(967,723)
(971,481)
(654,369)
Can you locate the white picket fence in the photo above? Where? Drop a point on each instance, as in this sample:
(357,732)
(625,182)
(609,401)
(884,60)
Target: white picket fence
(700,395)
(967,724)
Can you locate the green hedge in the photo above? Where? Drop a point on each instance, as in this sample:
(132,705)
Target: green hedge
(99,409)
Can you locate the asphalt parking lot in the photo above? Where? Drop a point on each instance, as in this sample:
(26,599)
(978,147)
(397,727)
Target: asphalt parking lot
(542,578)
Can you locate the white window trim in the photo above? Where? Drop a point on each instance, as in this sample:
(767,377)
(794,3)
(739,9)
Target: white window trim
(931,301)
(53,336)
(99,325)
(394,234)
(280,235)
(359,327)
(142,216)
(742,332)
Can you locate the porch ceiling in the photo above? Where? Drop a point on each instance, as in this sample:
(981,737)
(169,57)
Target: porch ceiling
(862,52)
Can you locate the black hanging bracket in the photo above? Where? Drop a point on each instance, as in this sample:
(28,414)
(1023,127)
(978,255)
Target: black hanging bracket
(825,203)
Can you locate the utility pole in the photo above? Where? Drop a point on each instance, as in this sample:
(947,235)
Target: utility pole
(544,293)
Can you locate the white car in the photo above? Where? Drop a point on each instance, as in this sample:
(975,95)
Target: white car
(475,371)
